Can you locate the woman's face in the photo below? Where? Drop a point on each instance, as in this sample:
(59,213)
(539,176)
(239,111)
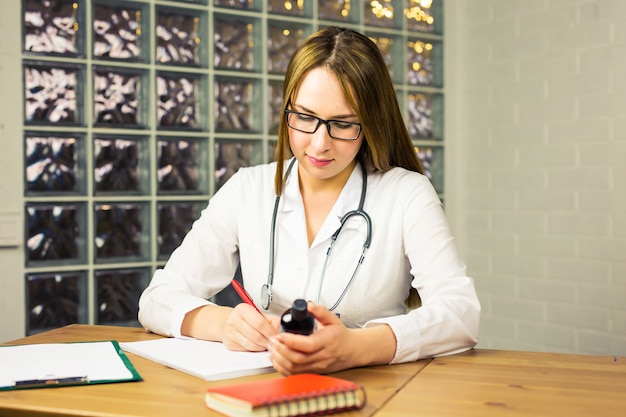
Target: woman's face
(321,157)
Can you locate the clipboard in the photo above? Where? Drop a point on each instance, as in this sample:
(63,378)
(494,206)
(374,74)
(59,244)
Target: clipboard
(51,365)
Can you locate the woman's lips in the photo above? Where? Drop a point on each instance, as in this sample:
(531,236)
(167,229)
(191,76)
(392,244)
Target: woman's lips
(319,162)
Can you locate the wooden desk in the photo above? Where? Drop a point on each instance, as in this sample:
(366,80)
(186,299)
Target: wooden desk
(164,391)
(486,383)
(481,383)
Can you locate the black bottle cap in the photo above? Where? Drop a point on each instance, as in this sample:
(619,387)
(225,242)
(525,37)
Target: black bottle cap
(298,309)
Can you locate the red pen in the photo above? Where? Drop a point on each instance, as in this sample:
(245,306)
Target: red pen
(244,295)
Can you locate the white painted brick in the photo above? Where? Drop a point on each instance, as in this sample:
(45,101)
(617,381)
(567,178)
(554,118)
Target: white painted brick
(600,154)
(498,287)
(547,245)
(496,325)
(559,131)
(500,156)
(579,317)
(496,200)
(617,103)
(548,156)
(477,14)
(515,222)
(557,200)
(579,36)
(575,178)
(603,11)
(619,225)
(579,84)
(619,181)
(594,106)
(513,178)
(526,309)
(578,270)
(594,59)
(531,112)
(552,337)
(495,243)
(527,135)
(600,343)
(579,224)
(503,113)
(478,222)
(593,201)
(531,24)
(560,108)
(618,274)
(610,297)
(532,71)
(481,178)
(562,41)
(559,65)
(502,12)
(502,74)
(617,346)
(533,46)
(478,262)
(618,322)
(529,7)
(619,30)
(548,290)
(520,266)
(503,52)
(610,250)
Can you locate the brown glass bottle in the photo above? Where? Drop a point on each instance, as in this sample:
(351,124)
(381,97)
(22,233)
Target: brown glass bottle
(297,319)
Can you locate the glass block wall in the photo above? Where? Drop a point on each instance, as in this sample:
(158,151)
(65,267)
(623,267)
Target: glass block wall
(136,112)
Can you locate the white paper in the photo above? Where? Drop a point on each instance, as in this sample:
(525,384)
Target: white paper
(98,361)
(207,360)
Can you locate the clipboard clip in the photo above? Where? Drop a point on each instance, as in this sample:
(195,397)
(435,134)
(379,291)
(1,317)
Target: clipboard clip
(50,381)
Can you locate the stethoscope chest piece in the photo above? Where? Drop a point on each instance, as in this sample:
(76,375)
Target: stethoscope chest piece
(266,296)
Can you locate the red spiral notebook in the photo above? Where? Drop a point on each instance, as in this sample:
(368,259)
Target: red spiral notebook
(294,395)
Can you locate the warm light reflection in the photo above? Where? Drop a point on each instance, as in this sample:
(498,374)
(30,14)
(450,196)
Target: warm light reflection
(138,20)
(382,10)
(420,46)
(419,11)
(250,28)
(346,9)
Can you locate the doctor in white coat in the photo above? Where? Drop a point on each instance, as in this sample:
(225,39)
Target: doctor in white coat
(345,219)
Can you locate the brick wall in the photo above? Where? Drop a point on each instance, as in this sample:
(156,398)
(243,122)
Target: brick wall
(536,147)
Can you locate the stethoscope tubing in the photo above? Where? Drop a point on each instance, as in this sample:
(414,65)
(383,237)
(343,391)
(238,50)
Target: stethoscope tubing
(266,289)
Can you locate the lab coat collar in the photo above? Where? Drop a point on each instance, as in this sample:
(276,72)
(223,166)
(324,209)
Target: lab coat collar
(291,210)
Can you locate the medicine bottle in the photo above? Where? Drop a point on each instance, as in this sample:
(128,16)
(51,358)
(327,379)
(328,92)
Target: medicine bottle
(297,319)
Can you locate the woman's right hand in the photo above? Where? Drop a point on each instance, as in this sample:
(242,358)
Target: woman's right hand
(239,328)
(247,330)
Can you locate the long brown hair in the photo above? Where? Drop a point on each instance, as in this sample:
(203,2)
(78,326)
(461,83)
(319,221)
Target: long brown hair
(364,78)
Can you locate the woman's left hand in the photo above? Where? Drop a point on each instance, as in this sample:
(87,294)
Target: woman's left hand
(326,350)
(332,347)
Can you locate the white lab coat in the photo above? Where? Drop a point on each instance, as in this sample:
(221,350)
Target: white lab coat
(411,246)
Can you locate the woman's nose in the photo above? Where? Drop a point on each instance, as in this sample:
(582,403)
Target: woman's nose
(321,139)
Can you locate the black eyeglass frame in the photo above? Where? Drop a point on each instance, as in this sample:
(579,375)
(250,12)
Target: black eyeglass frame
(323,121)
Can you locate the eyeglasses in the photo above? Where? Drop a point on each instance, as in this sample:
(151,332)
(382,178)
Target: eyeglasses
(337,129)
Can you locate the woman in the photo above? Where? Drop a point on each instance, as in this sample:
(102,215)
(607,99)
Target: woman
(342,148)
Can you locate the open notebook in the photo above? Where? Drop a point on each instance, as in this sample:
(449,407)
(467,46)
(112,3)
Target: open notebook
(207,360)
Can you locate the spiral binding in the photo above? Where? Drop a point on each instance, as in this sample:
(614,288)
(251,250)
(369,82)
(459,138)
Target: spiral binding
(318,403)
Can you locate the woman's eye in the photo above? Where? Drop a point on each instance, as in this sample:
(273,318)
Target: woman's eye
(305,117)
(339,125)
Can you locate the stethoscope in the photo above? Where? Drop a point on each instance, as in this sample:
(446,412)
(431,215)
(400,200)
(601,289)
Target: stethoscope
(266,289)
